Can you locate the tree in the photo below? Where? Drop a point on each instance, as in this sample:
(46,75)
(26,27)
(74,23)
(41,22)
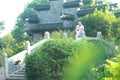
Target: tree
(19,29)
(112,69)
(10,46)
(7,44)
(98,21)
(116,30)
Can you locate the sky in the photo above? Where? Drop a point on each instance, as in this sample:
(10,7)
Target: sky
(10,10)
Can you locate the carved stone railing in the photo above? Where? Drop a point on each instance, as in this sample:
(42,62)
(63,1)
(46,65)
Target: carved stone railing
(2,73)
(98,37)
(17,61)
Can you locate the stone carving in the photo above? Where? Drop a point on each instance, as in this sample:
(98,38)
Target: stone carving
(5,64)
(27,47)
(65,35)
(99,35)
(46,35)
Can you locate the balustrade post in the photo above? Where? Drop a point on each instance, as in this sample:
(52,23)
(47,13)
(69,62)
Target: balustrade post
(28,47)
(5,64)
(99,35)
(46,35)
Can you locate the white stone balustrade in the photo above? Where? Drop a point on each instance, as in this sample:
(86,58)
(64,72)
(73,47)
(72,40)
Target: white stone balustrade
(27,47)
(46,35)
(15,62)
(12,61)
(21,56)
(37,45)
(2,77)
(5,64)
(98,37)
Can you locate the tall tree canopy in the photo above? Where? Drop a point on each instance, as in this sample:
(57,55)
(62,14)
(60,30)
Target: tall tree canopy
(19,29)
(99,21)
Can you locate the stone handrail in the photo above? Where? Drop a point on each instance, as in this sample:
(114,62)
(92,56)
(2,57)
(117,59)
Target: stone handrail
(15,62)
(98,37)
(37,45)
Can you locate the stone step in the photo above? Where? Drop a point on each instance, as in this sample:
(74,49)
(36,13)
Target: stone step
(15,78)
(18,75)
(20,72)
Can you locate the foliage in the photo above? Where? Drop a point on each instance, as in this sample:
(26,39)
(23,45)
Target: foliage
(18,47)
(112,69)
(60,34)
(98,21)
(9,45)
(116,30)
(81,64)
(47,62)
(57,34)
(14,43)
(6,44)
(19,29)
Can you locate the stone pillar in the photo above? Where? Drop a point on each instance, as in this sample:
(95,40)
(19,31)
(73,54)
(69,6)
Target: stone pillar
(2,73)
(46,35)
(5,65)
(28,47)
(65,35)
(99,35)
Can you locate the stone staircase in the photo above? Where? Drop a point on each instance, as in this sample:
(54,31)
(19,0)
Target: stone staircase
(14,66)
(18,75)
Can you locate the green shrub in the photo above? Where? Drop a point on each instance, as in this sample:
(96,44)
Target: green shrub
(117,13)
(47,62)
(59,34)
(112,69)
(59,58)
(116,30)
(10,46)
(88,56)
